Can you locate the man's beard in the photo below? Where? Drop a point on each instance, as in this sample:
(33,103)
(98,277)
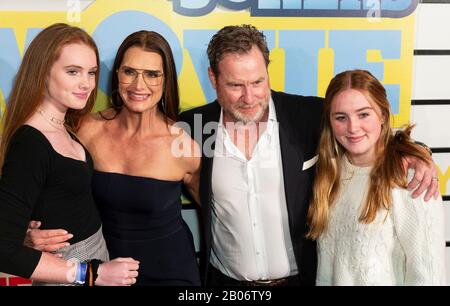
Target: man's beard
(237,116)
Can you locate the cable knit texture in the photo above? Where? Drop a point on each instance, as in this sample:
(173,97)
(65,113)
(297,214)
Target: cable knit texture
(405,246)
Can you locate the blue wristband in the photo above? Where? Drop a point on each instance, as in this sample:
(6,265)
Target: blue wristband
(80,277)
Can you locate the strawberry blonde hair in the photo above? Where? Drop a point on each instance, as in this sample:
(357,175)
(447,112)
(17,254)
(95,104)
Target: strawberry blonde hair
(387,171)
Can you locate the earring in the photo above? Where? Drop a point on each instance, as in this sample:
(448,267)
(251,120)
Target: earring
(163,105)
(116,99)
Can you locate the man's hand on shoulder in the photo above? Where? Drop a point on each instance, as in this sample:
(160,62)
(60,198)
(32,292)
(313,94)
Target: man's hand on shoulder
(425,178)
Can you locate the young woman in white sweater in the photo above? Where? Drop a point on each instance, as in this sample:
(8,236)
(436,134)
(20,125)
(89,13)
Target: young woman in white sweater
(370,231)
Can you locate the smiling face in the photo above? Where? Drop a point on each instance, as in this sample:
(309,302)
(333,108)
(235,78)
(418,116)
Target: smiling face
(356,125)
(140,96)
(72,77)
(242,86)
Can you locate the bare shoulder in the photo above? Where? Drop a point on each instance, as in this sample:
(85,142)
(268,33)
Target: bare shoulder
(180,134)
(174,129)
(106,114)
(184,147)
(93,123)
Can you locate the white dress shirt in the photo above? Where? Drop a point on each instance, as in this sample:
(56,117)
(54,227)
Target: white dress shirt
(250,228)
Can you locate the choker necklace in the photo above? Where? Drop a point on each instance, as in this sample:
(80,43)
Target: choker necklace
(51,118)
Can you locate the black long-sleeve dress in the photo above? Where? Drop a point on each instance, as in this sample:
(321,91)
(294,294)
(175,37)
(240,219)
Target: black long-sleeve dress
(37,183)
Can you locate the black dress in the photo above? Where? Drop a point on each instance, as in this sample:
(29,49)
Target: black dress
(38,183)
(142,219)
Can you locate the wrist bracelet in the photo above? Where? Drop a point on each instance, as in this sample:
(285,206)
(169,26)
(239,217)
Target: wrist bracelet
(95,263)
(80,276)
(91,272)
(88,274)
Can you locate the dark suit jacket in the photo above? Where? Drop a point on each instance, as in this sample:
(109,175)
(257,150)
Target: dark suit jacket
(299,127)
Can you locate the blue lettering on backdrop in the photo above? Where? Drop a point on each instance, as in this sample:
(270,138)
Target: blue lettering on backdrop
(236,5)
(10,57)
(320,5)
(110,33)
(193,7)
(351,4)
(350,52)
(196,42)
(204,7)
(108,36)
(299,8)
(31,34)
(301,52)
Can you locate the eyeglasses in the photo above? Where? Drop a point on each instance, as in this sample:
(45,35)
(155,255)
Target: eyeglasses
(128,75)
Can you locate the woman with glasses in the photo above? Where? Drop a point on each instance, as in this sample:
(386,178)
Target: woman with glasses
(141,162)
(46,172)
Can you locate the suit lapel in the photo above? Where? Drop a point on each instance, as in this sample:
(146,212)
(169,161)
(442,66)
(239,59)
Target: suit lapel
(291,156)
(209,133)
(210,121)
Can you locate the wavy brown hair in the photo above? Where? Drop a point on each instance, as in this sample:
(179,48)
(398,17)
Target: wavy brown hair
(235,39)
(152,42)
(29,86)
(387,171)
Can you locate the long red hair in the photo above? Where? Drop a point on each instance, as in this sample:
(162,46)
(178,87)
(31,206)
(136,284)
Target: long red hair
(30,83)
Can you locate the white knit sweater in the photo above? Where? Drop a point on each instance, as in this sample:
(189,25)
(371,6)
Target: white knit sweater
(406,246)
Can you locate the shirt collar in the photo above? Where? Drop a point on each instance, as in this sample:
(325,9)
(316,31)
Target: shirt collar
(271,120)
